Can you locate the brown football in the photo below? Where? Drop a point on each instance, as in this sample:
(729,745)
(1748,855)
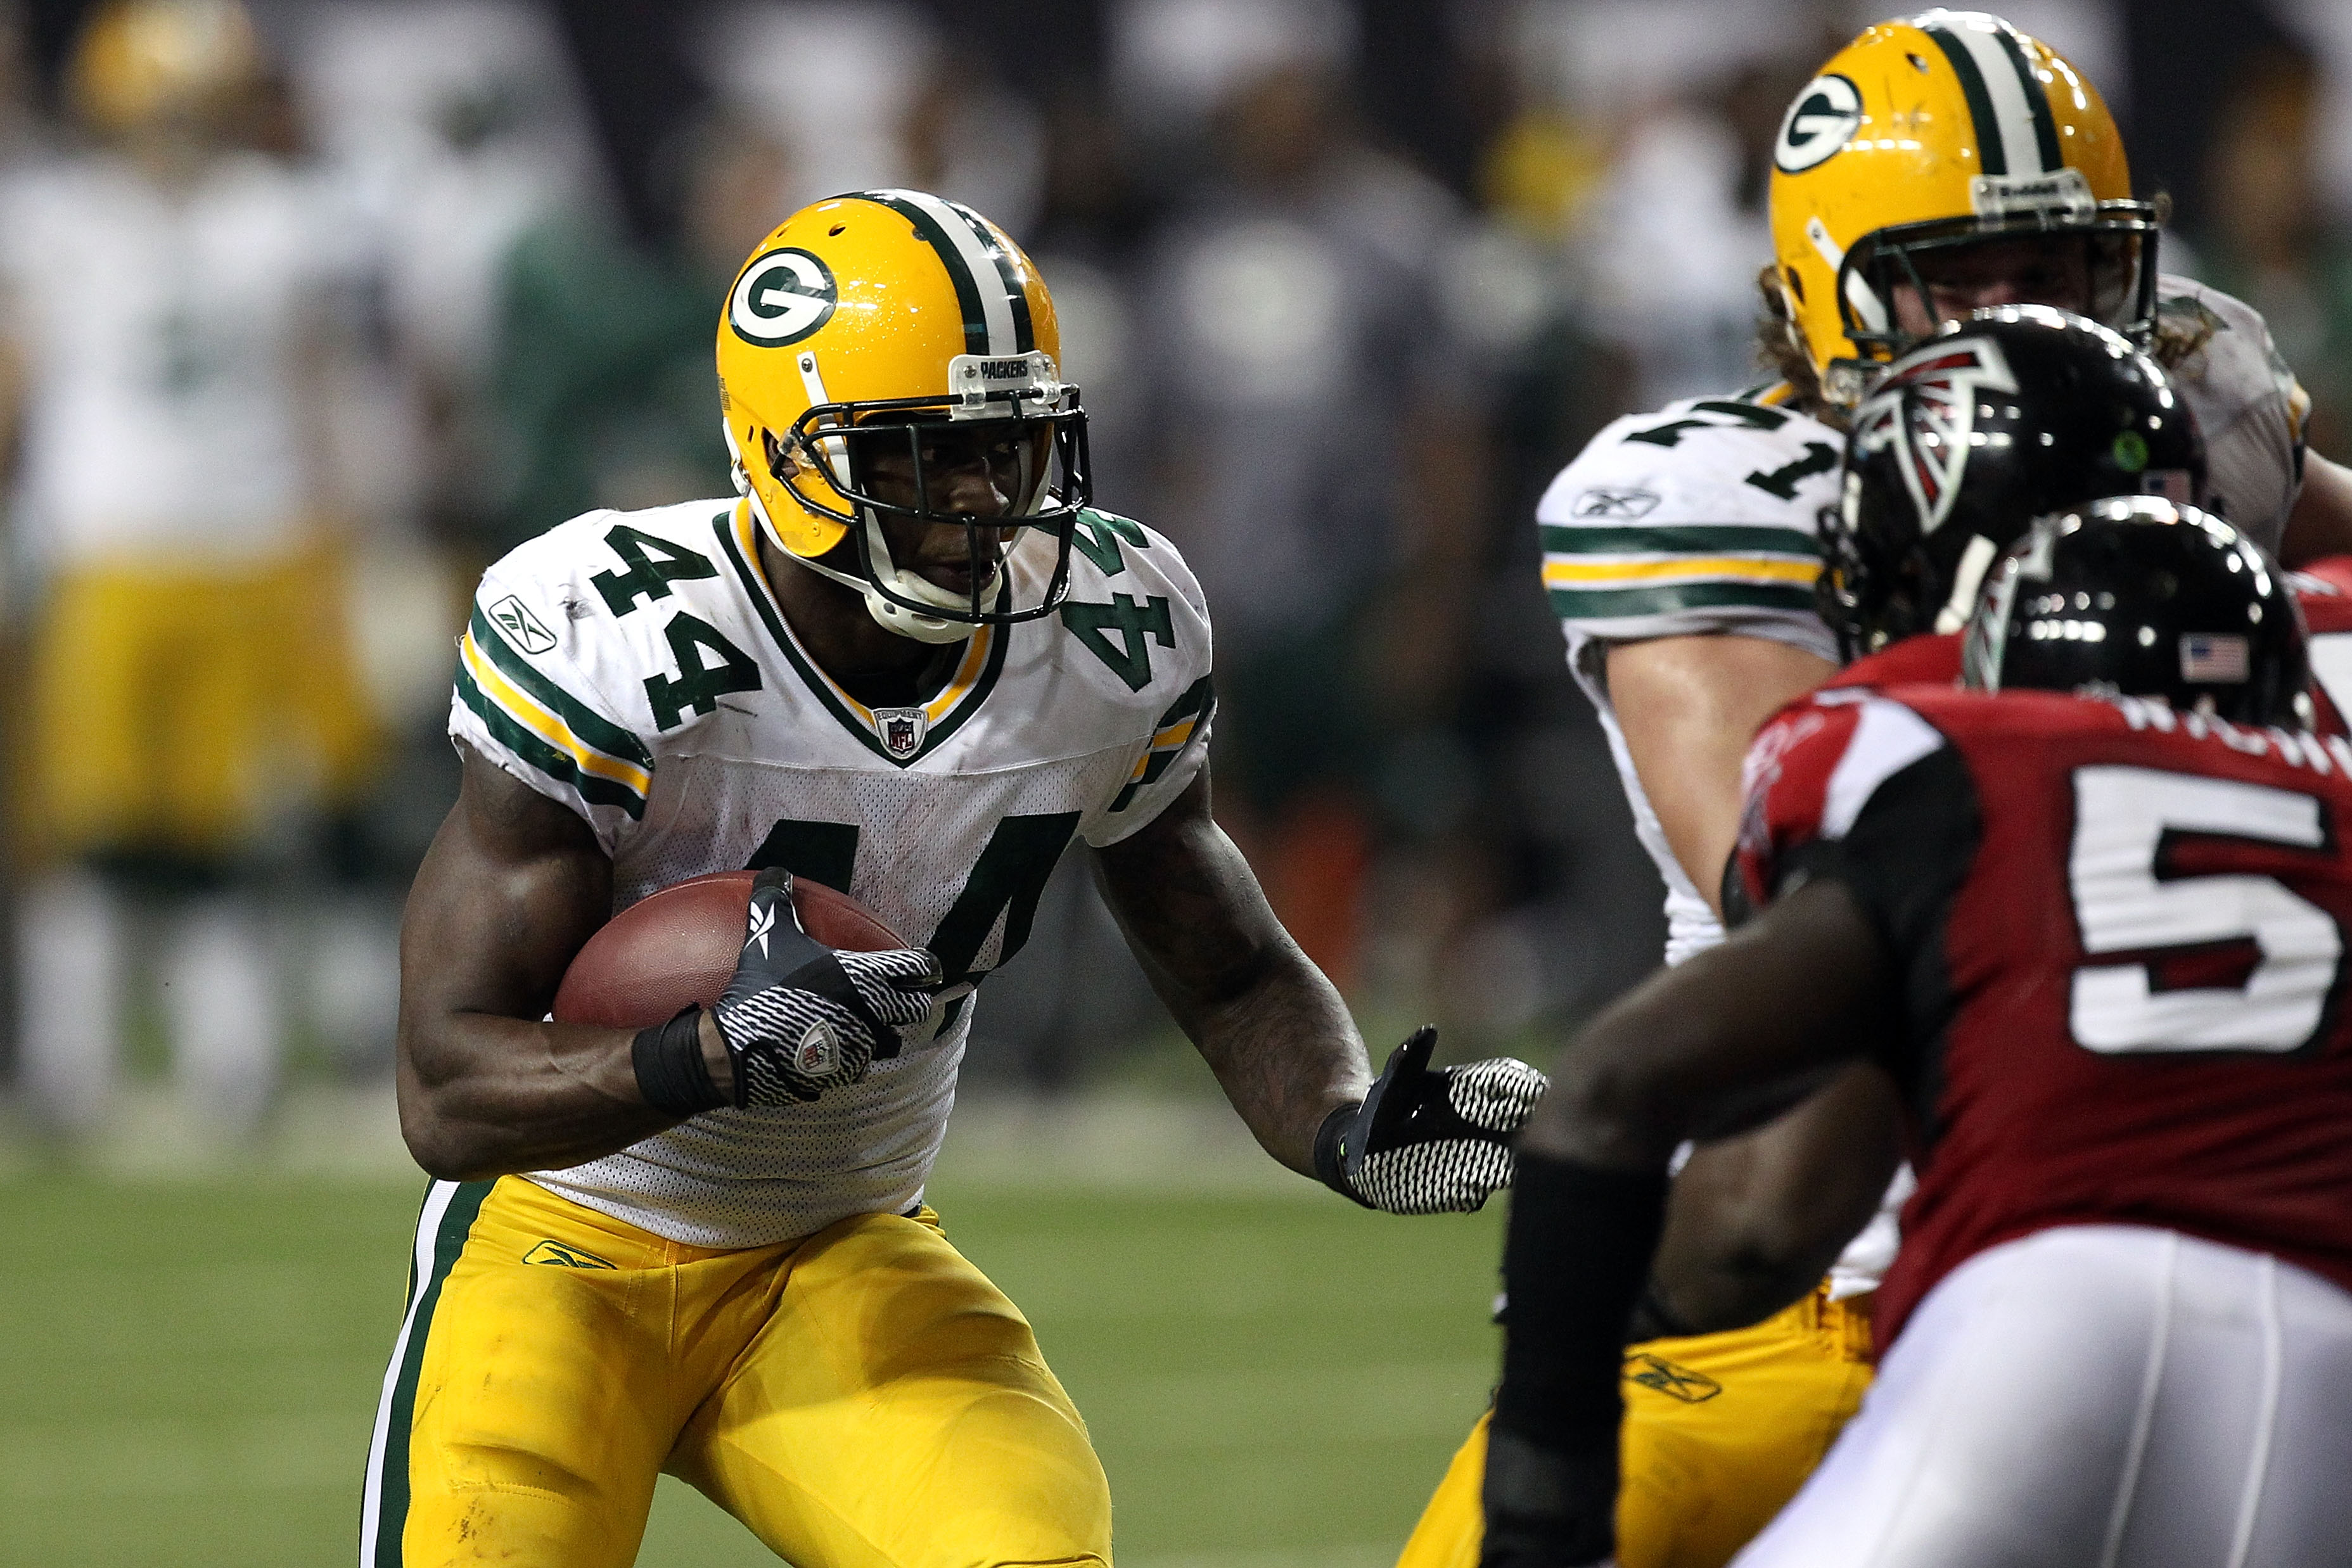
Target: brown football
(677,947)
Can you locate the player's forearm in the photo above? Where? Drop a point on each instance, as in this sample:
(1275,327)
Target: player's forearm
(482,1095)
(1271,1026)
(1286,1053)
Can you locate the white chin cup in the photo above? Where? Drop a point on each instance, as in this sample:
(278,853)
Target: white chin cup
(906,584)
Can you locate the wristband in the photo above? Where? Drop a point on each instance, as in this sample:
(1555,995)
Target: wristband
(671,1075)
(1330,1149)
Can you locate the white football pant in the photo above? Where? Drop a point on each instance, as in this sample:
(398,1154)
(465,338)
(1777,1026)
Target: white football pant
(2096,1396)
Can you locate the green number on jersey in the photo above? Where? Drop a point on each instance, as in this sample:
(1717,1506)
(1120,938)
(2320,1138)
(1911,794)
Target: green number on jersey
(820,851)
(654,564)
(1820,458)
(1746,415)
(1096,536)
(1138,626)
(1007,879)
(699,685)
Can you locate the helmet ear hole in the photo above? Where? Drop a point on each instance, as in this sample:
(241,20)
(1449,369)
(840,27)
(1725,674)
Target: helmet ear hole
(1796,285)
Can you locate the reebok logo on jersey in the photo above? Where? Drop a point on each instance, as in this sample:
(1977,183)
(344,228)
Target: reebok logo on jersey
(562,1256)
(1602,502)
(781,297)
(1674,1382)
(511,616)
(819,1051)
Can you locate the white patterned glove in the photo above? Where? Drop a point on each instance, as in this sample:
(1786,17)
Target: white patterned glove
(1424,1142)
(800,1017)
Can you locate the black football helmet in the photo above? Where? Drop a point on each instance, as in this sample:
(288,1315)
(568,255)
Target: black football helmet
(2014,413)
(2137,597)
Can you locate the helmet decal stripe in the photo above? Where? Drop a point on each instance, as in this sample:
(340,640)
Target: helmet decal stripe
(959,273)
(2037,103)
(1992,155)
(964,246)
(1025,333)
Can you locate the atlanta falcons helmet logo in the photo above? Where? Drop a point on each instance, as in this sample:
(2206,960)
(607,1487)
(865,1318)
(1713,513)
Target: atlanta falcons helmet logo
(1925,408)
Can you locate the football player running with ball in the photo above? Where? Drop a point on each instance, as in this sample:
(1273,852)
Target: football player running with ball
(1937,166)
(2087,923)
(911,663)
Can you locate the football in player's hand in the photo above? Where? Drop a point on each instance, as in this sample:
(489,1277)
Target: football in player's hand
(678,947)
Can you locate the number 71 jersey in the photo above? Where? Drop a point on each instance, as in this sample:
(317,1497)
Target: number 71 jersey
(636,667)
(2121,933)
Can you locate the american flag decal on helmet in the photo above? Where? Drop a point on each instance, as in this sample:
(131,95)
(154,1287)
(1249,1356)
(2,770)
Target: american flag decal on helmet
(1925,406)
(2217,658)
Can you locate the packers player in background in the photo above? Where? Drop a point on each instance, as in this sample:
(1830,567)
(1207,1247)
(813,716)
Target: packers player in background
(1937,165)
(908,661)
(163,324)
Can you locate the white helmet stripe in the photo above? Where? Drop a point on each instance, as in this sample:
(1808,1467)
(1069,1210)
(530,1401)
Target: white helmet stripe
(971,244)
(1996,81)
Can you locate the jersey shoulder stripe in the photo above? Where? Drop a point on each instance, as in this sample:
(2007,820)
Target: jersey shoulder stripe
(1601,572)
(1189,714)
(1697,517)
(546,726)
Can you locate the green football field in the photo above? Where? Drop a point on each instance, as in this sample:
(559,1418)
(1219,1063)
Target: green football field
(190,1367)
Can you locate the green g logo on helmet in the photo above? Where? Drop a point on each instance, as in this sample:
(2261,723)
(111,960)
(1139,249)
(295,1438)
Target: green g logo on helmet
(781,296)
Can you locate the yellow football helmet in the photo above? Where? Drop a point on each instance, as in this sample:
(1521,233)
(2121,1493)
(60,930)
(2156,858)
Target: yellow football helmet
(893,323)
(140,61)
(1941,130)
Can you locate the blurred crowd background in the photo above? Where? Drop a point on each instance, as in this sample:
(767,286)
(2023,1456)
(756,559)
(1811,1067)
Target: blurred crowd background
(308,310)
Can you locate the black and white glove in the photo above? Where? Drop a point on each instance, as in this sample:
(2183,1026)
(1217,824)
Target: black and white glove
(800,1017)
(1428,1142)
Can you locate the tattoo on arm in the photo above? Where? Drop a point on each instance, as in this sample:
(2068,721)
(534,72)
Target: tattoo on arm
(1268,1023)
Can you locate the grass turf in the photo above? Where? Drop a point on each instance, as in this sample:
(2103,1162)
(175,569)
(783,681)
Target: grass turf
(190,1370)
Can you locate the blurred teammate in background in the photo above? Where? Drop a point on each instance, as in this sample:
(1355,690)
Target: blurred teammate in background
(907,661)
(1936,166)
(190,694)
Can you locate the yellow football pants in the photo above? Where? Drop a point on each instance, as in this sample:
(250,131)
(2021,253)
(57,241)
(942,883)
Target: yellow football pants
(177,709)
(1721,1431)
(860,1398)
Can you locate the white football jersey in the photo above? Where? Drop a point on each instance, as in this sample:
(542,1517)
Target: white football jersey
(162,331)
(636,667)
(1705,517)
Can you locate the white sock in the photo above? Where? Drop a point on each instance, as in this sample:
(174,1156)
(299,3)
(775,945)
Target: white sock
(69,996)
(220,995)
(352,964)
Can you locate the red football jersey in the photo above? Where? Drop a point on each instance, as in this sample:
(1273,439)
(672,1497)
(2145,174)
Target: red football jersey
(2122,937)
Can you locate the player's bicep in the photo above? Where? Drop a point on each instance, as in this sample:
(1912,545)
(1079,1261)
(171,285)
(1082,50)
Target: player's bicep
(1689,707)
(513,885)
(1189,906)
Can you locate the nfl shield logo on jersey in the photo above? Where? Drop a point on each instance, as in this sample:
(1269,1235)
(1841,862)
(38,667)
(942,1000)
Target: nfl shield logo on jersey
(902,729)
